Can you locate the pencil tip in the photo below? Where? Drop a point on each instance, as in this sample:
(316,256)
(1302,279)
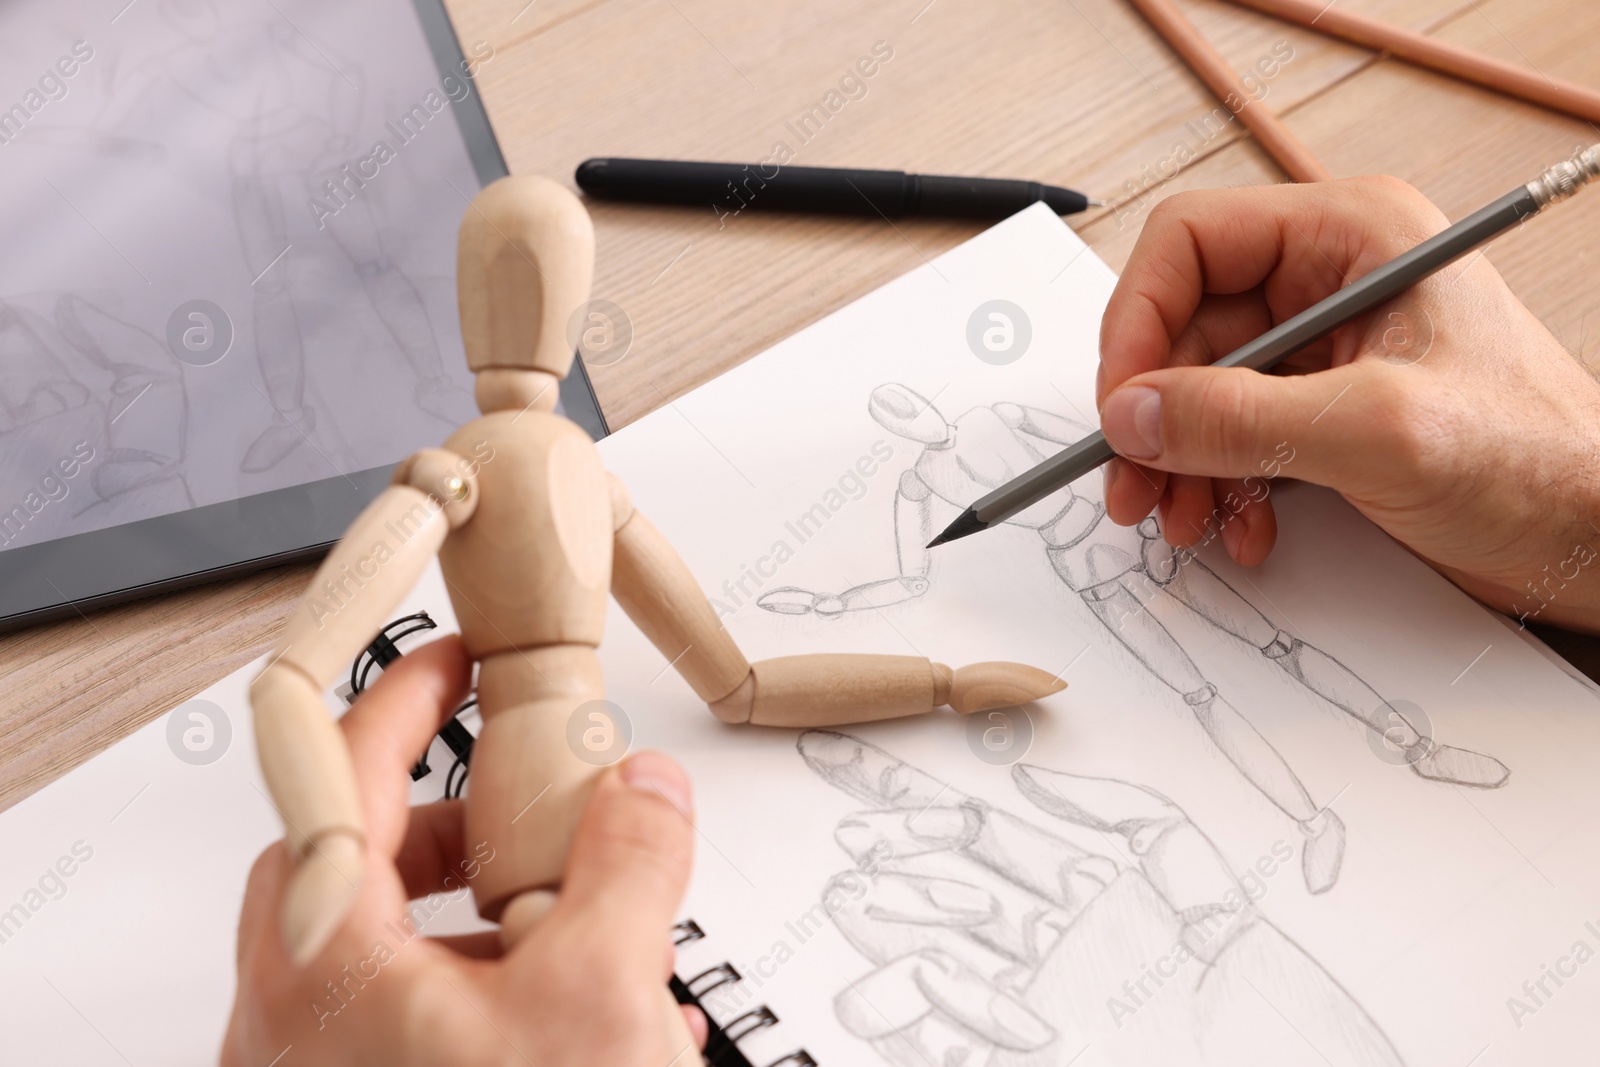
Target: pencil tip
(1095,203)
(966,523)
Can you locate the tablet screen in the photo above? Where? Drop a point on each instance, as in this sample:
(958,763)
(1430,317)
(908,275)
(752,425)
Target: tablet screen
(229,231)
(229,234)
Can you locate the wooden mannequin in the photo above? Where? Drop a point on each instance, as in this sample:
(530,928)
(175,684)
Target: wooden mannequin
(531,534)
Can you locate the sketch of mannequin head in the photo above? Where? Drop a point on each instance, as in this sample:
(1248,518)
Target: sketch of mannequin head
(198,20)
(904,413)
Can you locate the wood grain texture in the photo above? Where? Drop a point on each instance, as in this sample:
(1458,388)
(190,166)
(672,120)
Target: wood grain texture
(360,583)
(835,688)
(1230,87)
(1502,76)
(523,756)
(1081,93)
(524,266)
(654,586)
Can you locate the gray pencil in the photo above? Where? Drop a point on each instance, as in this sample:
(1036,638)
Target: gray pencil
(1313,324)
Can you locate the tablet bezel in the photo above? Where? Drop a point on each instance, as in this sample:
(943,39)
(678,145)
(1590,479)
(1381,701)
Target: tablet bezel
(71,575)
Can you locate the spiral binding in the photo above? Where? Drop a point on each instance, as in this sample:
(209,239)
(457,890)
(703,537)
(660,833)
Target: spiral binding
(722,1041)
(383,651)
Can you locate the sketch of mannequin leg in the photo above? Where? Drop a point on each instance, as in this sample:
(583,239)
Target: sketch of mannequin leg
(146,424)
(398,305)
(280,351)
(1116,605)
(1205,593)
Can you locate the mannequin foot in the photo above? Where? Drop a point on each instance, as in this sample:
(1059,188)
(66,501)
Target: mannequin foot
(1441,763)
(276,442)
(1323,852)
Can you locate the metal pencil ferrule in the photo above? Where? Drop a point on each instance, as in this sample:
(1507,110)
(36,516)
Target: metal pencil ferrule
(1566,177)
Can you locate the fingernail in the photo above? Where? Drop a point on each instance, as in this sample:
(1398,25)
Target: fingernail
(1099,383)
(945,825)
(1102,869)
(1233,536)
(1131,421)
(961,899)
(653,773)
(898,898)
(1110,470)
(1026,1028)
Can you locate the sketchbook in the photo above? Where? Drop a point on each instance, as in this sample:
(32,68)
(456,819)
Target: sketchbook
(1325,811)
(1328,810)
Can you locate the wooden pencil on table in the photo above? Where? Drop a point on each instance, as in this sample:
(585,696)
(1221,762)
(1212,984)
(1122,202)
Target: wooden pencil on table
(1208,64)
(1502,77)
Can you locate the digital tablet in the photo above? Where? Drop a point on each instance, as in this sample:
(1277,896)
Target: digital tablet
(227,294)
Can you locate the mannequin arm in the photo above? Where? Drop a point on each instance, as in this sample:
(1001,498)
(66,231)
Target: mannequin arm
(303,754)
(1045,425)
(913,529)
(655,588)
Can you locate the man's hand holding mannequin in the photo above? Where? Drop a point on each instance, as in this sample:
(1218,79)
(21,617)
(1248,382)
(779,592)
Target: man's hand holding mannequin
(584,987)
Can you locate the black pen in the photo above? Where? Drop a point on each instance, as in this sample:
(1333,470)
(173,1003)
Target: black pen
(729,188)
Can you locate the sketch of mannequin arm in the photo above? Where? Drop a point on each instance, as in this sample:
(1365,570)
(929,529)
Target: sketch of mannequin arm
(1037,422)
(120,94)
(913,529)
(346,84)
(125,95)
(996,941)
(47,135)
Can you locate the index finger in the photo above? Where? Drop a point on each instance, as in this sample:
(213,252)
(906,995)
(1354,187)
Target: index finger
(870,774)
(1299,242)
(944,818)
(390,725)
(1176,857)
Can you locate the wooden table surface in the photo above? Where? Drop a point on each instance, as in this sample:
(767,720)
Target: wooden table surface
(1076,92)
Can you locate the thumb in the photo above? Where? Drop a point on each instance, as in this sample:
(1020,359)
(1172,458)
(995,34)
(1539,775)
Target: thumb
(1230,422)
(629,864)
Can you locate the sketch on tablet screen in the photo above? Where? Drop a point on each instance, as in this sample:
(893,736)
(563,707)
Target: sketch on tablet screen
(1117,572)
(292,120)
(145,437)
(85,391)
(294,112)
(995,940)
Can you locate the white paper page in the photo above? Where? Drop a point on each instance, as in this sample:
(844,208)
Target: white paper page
(1447,899)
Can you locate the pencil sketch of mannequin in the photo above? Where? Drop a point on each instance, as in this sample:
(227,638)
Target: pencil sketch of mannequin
(95,392)
(36,381)
(47,413)
(997,940)
(147,416)
(1113,571)
(293,125)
